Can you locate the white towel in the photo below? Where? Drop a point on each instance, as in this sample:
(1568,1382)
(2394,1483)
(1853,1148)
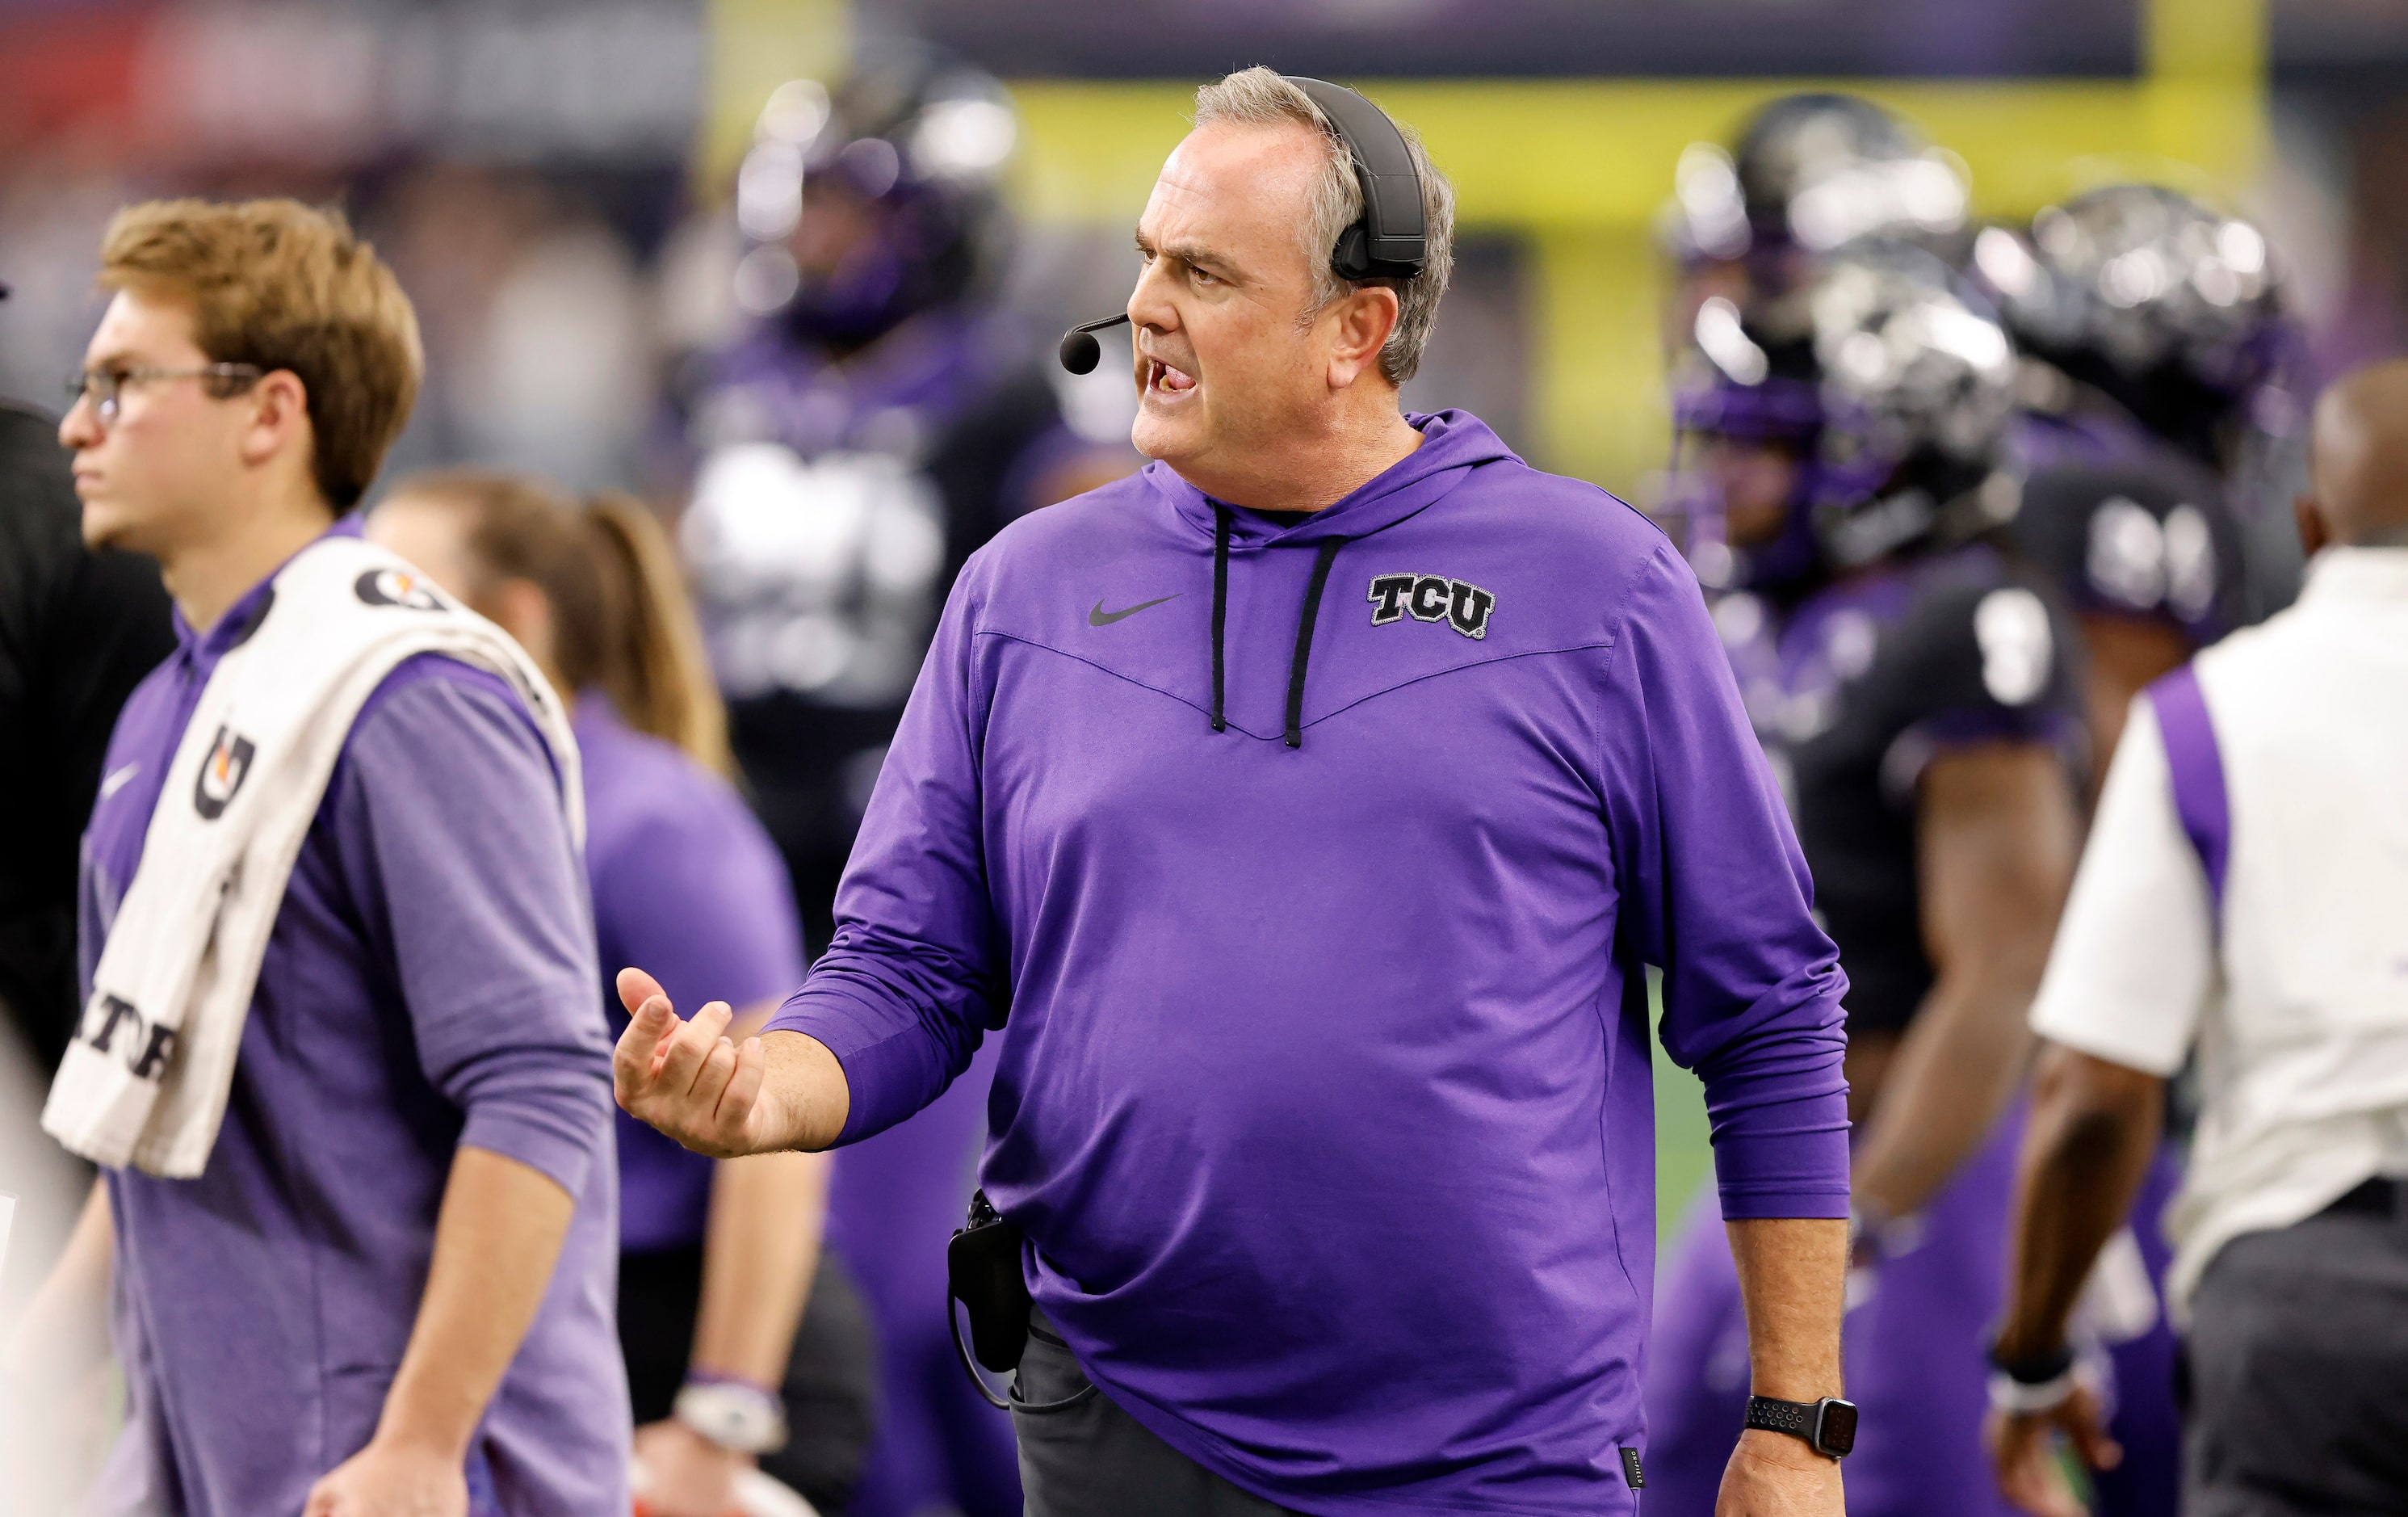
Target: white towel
(145,1081)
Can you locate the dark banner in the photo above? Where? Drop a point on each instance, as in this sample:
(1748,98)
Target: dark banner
(1407,39)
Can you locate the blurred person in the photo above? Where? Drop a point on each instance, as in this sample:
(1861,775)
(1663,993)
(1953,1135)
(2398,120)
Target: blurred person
(1324,1102)
(78,629)
(1845,448)
(2154,336)
(2149,563)
(340,1058)
(877,424)
(716,1260)
(1808,173)
(2240,899)
(533,319)
(880,421)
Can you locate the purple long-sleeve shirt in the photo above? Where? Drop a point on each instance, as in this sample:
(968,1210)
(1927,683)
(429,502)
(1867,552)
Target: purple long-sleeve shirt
(429,983)
(1324,1096)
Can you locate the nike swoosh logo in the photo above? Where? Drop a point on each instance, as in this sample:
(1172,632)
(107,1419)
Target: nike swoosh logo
(117,778)
(1100,617)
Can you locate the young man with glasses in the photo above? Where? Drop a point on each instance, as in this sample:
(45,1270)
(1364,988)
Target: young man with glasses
(381,1282)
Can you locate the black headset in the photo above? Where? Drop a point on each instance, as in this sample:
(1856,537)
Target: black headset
(1390,240)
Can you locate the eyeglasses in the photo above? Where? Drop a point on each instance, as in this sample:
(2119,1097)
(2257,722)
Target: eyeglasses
(104,385)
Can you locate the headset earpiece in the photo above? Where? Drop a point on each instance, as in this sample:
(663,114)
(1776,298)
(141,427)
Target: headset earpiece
(1391,240)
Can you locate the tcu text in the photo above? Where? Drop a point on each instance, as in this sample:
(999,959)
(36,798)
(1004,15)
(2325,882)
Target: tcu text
(1431,598)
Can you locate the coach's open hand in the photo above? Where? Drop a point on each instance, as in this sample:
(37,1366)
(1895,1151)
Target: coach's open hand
(714,1095)
(1775,1475)
(688,1079)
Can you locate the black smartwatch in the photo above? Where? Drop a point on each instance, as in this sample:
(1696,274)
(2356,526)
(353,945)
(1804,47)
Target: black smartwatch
(1829,1425)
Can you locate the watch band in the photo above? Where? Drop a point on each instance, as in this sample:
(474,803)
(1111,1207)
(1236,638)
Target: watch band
(2034,1369)
(2034,1383)
(1795,1418)
(1829,1427)
(739,1416)
(2025,1399)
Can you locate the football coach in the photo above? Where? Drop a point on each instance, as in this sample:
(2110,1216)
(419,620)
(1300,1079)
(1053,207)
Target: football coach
(1304,812)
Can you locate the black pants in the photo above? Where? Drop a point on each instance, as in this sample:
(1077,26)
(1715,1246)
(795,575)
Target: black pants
(829,1376)
(2297,1368)
(1095,1460)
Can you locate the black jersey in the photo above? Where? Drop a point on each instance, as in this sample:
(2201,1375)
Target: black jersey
(2149,536)
(1855,691)
(78,631)
(833,505)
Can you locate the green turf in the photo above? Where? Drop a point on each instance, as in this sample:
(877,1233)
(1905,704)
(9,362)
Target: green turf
(1683,1157)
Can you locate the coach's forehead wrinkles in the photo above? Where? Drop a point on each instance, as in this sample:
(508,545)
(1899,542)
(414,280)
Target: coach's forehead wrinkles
(1227,201)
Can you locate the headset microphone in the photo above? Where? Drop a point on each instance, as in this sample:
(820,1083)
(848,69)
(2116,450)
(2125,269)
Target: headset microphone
(1080,351)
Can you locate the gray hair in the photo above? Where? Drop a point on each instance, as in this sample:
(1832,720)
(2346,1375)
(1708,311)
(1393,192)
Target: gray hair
(1259,97)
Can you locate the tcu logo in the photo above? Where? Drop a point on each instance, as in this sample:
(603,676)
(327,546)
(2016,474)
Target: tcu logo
(397,587)
(1431,598)
(148,1045)
(221,773)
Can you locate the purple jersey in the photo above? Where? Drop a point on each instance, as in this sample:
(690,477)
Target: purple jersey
(429,984)
(687,886)
(1346,1039)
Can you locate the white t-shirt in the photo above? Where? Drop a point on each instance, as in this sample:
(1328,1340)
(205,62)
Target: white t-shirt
(2294,986)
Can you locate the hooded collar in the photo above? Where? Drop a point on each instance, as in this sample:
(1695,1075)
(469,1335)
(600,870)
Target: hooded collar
(1454,444)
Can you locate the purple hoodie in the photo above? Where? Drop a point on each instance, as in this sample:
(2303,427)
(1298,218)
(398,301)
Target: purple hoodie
(1324,1096)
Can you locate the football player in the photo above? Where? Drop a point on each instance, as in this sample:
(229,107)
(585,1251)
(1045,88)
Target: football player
(1809,173)
(1846,441)
(2151,335)
(881,420)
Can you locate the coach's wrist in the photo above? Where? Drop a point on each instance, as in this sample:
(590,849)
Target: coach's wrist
(1780,1451)
(807,1096)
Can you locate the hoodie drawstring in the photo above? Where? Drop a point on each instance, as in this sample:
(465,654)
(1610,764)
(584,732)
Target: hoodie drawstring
(1220,611)
(1321,563)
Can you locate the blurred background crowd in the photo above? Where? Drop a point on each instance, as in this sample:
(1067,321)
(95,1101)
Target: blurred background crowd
(597,207)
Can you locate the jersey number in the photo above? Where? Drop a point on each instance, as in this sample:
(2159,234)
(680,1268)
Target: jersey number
(2011,627)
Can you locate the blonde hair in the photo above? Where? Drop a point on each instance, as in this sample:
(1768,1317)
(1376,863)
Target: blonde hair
(281,285)
(622,621)
(1258,97)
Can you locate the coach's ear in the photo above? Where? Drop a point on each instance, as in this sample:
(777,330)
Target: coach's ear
(2314,536)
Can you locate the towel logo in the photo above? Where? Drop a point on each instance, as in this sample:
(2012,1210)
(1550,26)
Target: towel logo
(146,1050)
(1431,598)
(397,587)
(222,774)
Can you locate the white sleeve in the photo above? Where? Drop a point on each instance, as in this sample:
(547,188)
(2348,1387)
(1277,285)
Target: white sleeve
(2135,954)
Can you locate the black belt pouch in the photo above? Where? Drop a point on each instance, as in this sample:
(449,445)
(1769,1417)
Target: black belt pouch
(982,1273)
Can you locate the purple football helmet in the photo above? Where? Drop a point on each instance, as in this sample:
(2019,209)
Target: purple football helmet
(916,142)
(1892,383)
